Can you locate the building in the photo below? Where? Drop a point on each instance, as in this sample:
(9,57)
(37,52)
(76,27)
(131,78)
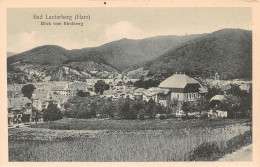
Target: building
(62,90)
(138,93)
(183,87)
(215,110)
(19,110)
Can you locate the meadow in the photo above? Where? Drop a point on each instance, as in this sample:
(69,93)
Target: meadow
(125,140)
(148,124)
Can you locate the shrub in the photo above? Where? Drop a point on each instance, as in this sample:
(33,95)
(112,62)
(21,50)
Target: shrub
(204,151)
(162,117)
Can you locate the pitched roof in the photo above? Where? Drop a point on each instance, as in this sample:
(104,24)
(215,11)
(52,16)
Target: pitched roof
(18,102)
(139,90)
(177,81)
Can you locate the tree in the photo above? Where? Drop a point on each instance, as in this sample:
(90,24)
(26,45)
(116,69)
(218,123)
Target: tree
(174,105)
(125,108)
(212,92)
(93,107)
(52,113)
(188,106)
(234,90)
(83,110)
(36,115)
(202,104)
(232,105)
(141,114)
(109,108)
(151,106)
(81,93)
(27,90)
(100,86)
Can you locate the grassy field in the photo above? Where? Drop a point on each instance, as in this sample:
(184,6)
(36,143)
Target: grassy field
(149,124)
(122,140)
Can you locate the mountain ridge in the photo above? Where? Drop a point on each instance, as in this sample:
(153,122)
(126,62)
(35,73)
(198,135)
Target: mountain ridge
(227,52)
(195,54)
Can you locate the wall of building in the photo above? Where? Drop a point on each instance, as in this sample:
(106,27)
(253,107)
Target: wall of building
(185,96)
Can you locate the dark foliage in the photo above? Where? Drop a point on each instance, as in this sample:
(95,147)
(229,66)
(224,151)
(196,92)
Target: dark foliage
(89,107)
(121,54)
(205,151)
(81,93)
(212,151)
(52,113)
(27,90)
(228,52)
(147,84)
(101,86)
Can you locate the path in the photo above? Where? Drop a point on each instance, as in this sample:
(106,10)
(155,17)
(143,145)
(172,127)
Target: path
(243,154)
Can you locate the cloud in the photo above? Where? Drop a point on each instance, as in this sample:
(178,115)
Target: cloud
(21,41)
(28,40)
(123,29)
(25,41)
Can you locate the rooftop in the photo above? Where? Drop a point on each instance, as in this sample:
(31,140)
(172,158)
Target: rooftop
(177,81)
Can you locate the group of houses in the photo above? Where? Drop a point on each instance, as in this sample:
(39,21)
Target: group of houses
(179,86)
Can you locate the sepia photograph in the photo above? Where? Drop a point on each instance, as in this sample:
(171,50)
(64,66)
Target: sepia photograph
(129,84)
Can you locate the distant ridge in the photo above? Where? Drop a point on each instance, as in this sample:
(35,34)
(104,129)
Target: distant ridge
(121,54)
(226,51)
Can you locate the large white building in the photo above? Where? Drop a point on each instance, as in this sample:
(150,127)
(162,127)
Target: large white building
(183,87)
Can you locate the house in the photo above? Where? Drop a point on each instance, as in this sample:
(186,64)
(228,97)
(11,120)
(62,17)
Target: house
(59,100)
(150,94)
(63,90)
(39,98)
(19,110)
(183,87)
(246,86)
(108,94)
(55,101)
(47,78)
(163,96)
(130,92)
(215,110)
(37,104)
(120,86)
(138,93)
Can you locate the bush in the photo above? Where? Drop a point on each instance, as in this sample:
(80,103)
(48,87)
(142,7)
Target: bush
(205,151)
(162,117)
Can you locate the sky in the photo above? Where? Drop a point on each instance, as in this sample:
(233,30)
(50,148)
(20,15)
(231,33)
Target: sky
(110,24)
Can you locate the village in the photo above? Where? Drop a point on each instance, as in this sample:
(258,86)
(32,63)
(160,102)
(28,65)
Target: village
(179,87)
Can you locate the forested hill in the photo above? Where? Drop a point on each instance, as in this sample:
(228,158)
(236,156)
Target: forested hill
(121,54)
(227,52)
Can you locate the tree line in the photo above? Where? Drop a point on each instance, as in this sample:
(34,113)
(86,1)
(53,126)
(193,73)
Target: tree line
(123,108)
(238,103)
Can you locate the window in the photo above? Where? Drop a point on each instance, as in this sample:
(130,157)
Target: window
(190,96)
(194,95)
(178,96)
(187,96)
